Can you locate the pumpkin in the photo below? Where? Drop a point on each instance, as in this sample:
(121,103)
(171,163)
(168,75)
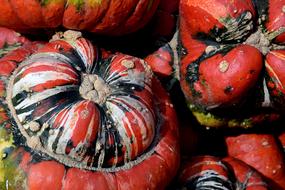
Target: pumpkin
(261,151)
(76,117)
(110,17)
(209,172)
(229,60)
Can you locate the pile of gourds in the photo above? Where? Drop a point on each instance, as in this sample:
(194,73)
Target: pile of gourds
(144,94)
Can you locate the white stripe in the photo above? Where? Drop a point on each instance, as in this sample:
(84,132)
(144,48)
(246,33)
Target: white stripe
(206,174)
(118,116)
(67,131)
(146,115)
(37,97)
(47,57)
(36,78)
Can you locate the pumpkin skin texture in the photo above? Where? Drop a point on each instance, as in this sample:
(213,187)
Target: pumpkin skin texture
(262,152)
(209,172)
(92,147)
(231,54)
(108,17)
(161,61)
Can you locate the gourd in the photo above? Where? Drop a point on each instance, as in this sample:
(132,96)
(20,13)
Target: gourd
(108,17)
(229,60)
(74,116)
(261,151)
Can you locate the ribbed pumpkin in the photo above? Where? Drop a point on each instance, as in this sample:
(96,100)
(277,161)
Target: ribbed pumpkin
(230,60)
(110,17)
(76,117)
(208,172)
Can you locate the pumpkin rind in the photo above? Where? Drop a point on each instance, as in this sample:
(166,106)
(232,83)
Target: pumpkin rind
(99,16)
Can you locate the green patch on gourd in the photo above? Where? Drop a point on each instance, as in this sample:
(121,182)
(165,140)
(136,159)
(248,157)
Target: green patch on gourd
(211,120)
(94,2)
(78,3)
(46,2)
(11,176)
(208,119)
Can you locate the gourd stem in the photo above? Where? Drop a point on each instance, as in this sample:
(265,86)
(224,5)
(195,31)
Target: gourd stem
(264,41)
(276,33)
(94,88)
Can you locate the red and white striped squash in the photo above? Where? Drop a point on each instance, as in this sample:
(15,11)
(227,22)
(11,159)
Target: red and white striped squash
(75,110)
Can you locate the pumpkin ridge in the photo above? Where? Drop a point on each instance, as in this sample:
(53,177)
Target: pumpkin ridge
(130,75)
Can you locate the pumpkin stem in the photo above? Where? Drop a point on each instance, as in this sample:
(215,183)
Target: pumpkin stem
(276,33)
(94,88)
(263,41)
(260,41)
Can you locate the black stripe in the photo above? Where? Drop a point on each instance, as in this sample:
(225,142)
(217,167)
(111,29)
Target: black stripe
(262,7)
(20,97)
(55,143)
(44,105)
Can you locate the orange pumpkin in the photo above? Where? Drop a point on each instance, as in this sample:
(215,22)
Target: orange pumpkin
(110,17)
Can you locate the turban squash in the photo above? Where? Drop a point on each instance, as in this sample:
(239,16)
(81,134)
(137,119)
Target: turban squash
(111,17)
(229,59)
(74,116)
(209,172)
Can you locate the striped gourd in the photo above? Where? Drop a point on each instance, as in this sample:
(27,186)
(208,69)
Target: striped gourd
(81,109)
(73,116)
(212,173)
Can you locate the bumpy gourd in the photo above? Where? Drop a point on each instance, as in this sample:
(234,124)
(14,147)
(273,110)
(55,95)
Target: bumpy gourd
(68,109)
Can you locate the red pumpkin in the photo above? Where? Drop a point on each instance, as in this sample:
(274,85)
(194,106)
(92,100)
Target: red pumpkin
(262,152)
(230,60)
(232,43)
(105,17)
(79,118)
(208,172)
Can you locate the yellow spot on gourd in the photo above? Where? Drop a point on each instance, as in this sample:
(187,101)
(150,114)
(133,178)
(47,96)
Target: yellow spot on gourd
(95,2)
(4,143)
